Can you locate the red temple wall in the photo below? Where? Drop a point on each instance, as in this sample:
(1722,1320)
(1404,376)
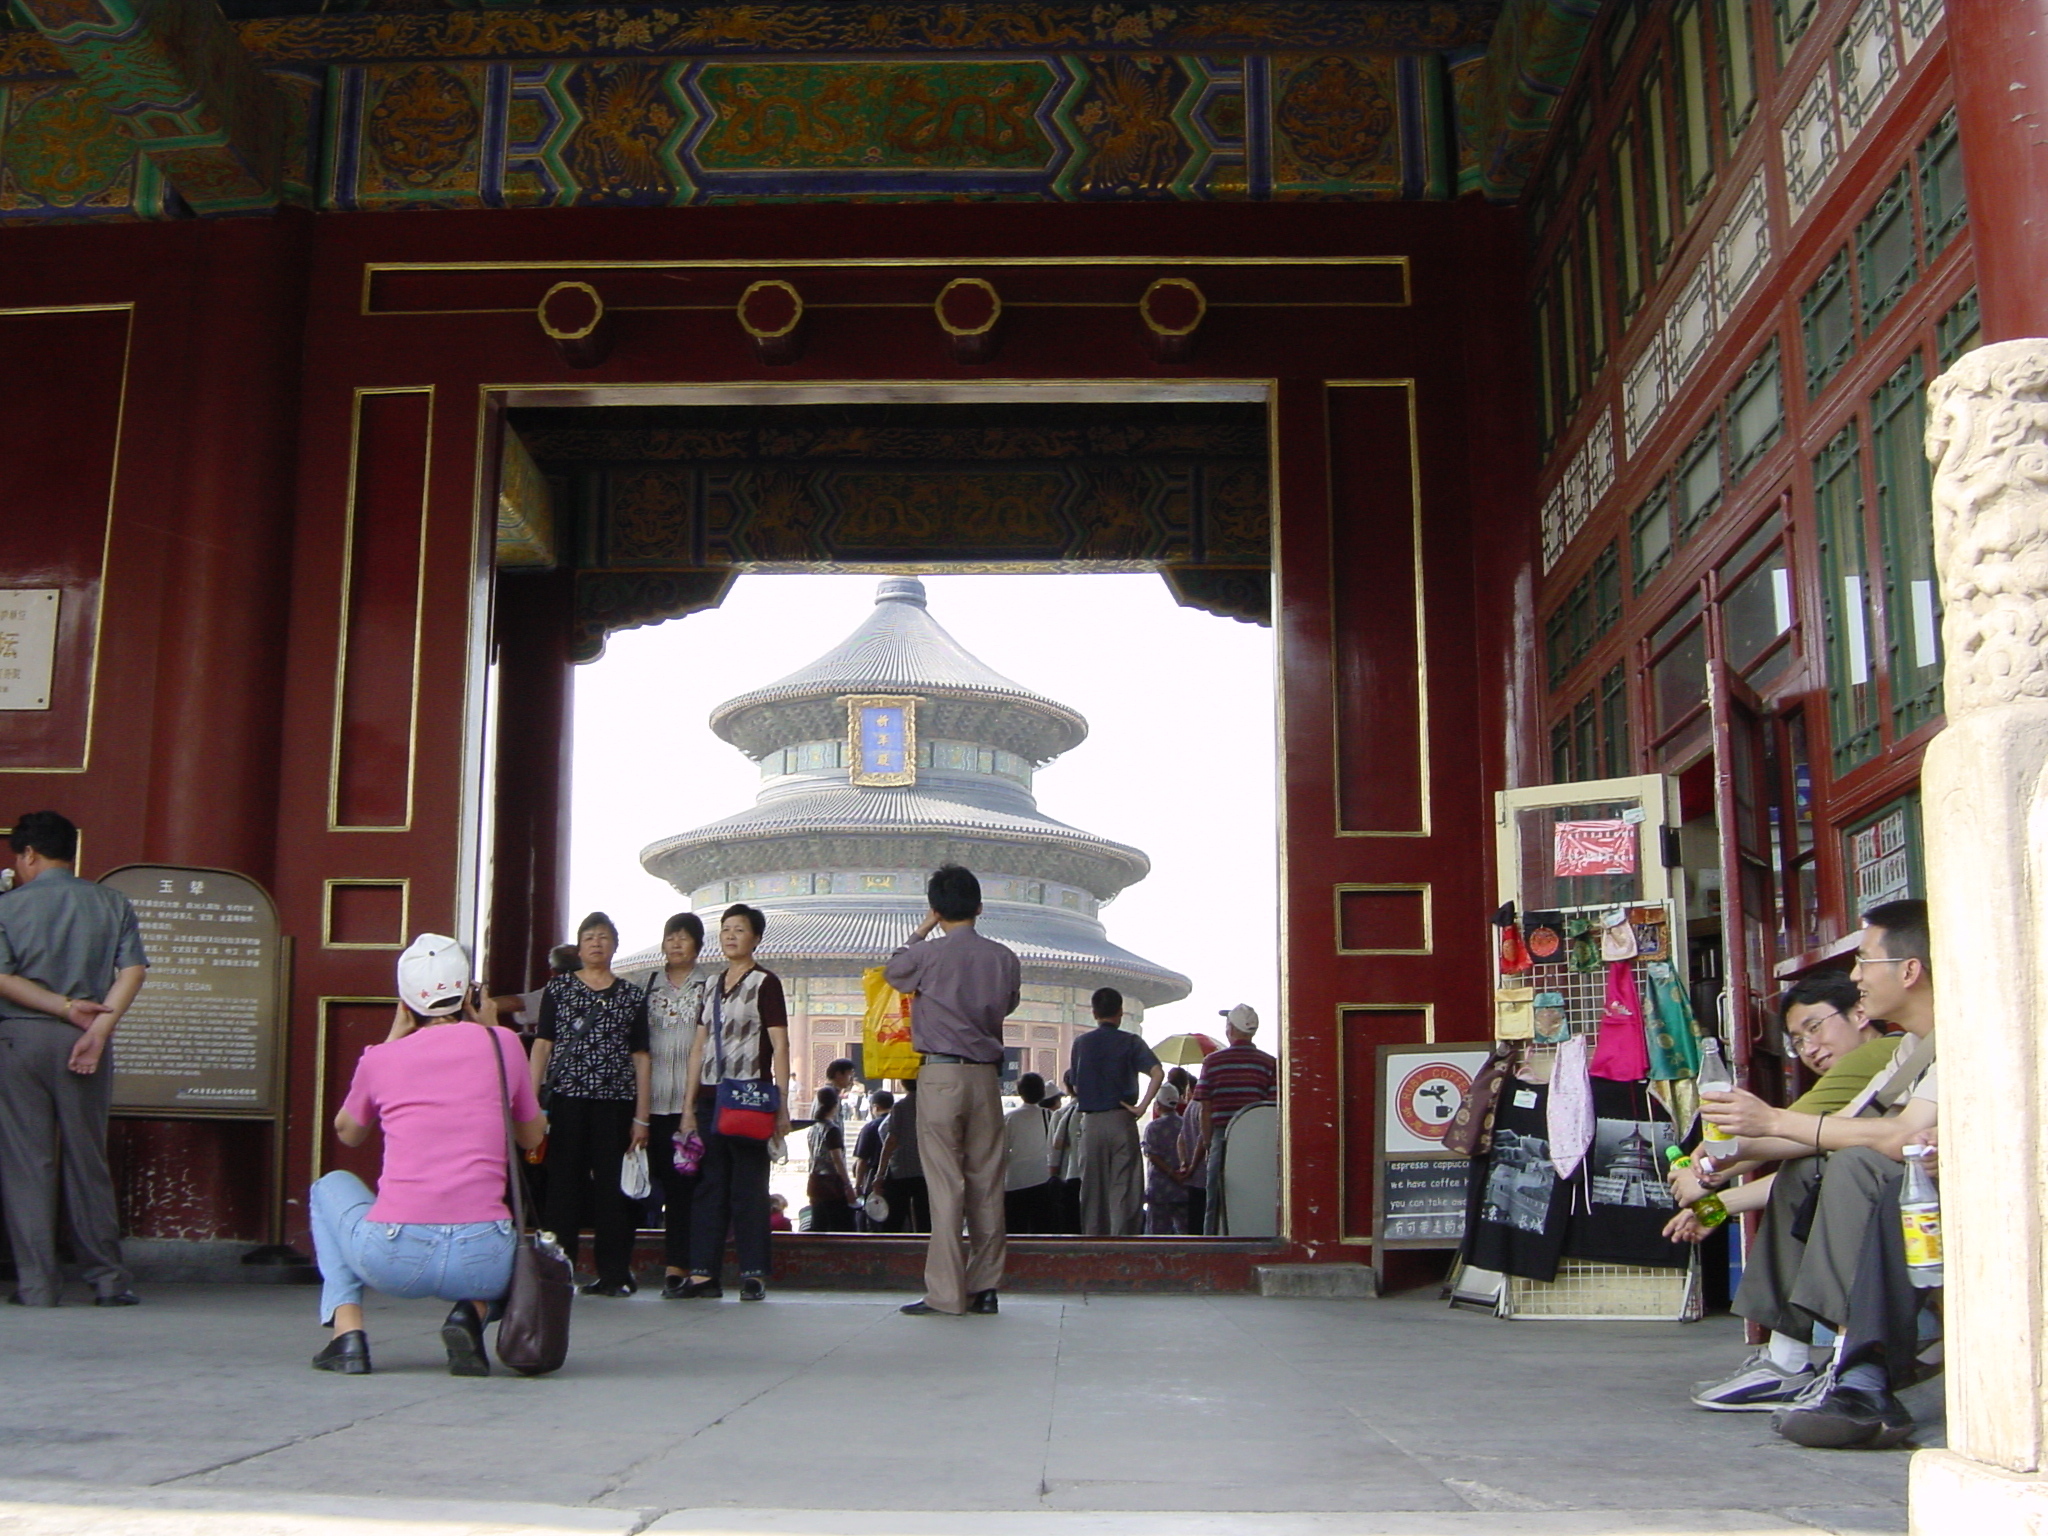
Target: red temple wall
(297,594)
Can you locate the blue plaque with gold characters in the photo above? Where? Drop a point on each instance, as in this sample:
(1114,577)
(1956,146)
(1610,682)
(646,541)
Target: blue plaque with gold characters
(881,734)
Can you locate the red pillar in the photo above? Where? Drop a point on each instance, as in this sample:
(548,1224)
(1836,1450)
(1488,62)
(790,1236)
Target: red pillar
(214,781)
(1998,56)
(530,853)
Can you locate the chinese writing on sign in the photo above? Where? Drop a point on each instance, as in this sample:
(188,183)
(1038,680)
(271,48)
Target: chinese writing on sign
(884,740)
(28,646)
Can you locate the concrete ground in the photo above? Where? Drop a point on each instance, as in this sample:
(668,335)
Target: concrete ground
(818,1414)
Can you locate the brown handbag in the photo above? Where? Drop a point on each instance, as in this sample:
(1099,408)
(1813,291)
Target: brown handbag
(533,1338)
(1471,1129)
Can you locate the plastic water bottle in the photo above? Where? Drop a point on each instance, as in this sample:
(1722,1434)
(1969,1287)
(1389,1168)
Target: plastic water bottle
(1708,1208)
(1920,1215)
(1714,1077)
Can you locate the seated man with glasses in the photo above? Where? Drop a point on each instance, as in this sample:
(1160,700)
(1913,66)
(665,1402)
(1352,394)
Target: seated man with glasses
(1841,1169)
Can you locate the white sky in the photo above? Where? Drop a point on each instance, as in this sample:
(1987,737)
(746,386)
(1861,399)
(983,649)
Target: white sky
(1179,760)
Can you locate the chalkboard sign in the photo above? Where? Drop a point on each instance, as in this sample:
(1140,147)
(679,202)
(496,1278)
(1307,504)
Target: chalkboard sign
(202,1037)
(1422,1202)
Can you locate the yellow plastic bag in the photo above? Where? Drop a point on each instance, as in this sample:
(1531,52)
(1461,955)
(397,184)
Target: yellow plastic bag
(886,1050)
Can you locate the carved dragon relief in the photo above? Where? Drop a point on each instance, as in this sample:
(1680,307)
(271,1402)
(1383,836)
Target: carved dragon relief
(1987,436)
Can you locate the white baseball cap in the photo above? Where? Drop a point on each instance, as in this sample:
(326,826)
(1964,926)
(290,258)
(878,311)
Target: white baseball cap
(433,974)
(1243,1018)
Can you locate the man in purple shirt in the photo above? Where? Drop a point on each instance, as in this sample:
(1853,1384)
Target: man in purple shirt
(965,986)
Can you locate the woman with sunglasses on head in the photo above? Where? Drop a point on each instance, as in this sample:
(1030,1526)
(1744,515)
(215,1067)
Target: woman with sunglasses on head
(438,1224)
(742,1039)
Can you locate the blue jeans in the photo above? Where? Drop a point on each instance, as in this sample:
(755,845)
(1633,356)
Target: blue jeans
(466,1261)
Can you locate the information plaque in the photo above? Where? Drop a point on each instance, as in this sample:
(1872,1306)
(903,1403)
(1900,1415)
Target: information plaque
(203,1036)
(1419,1185)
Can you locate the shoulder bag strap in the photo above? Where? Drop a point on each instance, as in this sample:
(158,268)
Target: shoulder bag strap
(1914,1061)
(516,1194)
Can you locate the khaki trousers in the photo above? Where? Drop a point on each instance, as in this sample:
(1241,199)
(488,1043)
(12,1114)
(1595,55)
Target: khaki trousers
(960,1141)
(50,1115)
(1787,1283)
(1112,1181)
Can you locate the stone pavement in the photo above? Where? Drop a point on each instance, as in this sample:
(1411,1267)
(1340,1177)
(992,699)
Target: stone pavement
(823,1414)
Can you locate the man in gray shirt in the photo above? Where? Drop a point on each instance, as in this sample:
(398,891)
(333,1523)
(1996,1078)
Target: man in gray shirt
(71,962)
(965,986)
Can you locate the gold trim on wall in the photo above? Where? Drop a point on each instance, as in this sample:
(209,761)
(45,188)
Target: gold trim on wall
(1421,888)
(404,884)
(99,607)
(1424,804)
(320,1127)
(1428,1012)
(419,606)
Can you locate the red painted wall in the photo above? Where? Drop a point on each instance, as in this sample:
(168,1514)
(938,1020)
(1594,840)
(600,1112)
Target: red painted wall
(228,599)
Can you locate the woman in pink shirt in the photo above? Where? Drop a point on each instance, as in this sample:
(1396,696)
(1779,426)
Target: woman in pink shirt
(438,1224)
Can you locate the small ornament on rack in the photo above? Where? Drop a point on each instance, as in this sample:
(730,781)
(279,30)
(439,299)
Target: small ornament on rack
(1514,1013)
(1553,1023)
(1514,955)
(1543,933)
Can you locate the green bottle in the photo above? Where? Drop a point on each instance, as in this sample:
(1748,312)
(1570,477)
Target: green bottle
(1708,1207)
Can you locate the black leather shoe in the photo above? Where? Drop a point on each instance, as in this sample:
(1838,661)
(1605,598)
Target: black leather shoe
(983,1303)
(609,1288)
(922,1309)
(118,1299)
(346,1354)
(1847,1418)
(463,1336)
(753,1288)
(700,1290)
(672,1287)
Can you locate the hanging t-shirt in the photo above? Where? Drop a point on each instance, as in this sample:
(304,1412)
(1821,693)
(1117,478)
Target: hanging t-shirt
(1618,1213)
(1515,1212)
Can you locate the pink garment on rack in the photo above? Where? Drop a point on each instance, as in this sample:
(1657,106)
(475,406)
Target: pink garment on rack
(1622,1056)
(1568,1111)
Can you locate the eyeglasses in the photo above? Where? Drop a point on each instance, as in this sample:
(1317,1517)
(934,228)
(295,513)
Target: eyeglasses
(1812,1025)
(1882,959)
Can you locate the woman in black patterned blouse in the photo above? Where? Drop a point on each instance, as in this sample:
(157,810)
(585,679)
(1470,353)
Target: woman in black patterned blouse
(742,1031)
(590,1051)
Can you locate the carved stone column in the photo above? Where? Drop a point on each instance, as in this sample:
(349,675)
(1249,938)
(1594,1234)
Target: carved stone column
(1984,792)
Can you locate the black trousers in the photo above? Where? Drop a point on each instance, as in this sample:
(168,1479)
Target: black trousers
(677,1189)
(587,1141)
(732,1192)
(1032,1210)
(1198,1205)
(910,1204)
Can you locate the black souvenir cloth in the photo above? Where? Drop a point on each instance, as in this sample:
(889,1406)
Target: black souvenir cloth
(1515,1215)
(1521,1219)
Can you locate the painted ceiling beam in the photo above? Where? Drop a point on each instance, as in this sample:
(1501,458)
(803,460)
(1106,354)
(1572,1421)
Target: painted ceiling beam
(175,74)
(1532,58)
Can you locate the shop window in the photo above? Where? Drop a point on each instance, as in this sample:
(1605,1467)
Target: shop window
(1571,379)
(1614,753)
(1628,232)
(1697,489)
(1594,273)
(1606,584)
(1755,413)
(1678,685)
(1828,324)
(1657,164)
(1546,363)
(1881,859)
(1912,597)
(1695,130)
(1958,330)
(1847,620)
(1620,33)
(1801,904)
(1650,536)
(1562,770)
(1886,256)
(1736,44)
(1793,18)
(1557,646)
(1580,606)
(1941,185)
(1585,733)
(1756,606)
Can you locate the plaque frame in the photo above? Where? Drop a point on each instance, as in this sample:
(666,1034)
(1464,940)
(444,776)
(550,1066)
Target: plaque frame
(858,771)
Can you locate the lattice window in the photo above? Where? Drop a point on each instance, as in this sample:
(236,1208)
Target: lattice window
(1912,594)
(1848,622)
(1743,247)
(1959,329)
(1887,259)
(1755,413)
(1866,63)
(1941,184)
(1812,142)
(1828,324)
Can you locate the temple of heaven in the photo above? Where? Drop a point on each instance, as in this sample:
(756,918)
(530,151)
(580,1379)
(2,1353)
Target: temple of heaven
(894,752)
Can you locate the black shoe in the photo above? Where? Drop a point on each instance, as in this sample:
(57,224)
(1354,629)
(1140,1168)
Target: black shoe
(609,1288)
(118,1299)
(1847,1418)
(463,1335)
(753,1288)
(346,1354)
(922,1309)
(700,1290)
(983,1303)
(672,1287)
